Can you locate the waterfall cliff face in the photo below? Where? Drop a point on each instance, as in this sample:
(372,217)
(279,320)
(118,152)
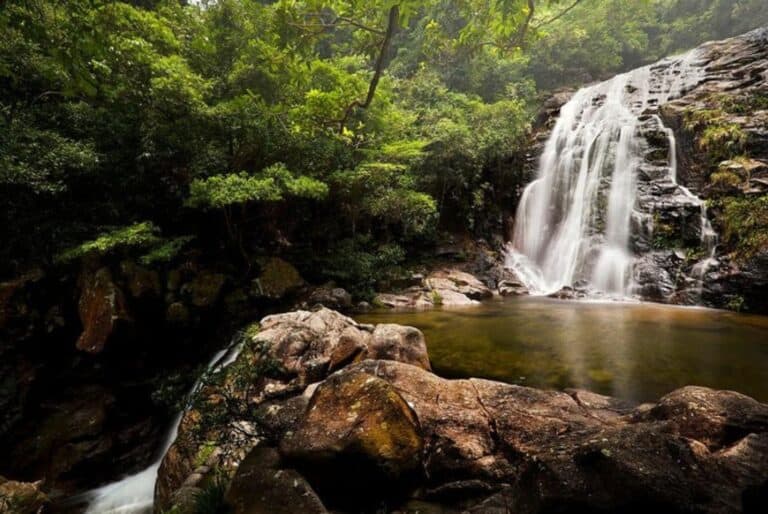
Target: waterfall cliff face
(601,183)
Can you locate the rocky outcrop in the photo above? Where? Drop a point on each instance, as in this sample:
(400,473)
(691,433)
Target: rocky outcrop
(288,353)
(447,287)
(102,308)
(722,150)
(338,428)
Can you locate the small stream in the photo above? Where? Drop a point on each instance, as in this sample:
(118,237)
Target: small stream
(635,351)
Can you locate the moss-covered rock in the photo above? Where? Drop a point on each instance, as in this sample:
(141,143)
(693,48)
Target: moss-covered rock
(277,279)
(358,435)
(21,497)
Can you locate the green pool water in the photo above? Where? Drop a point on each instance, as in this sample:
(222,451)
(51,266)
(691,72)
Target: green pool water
(633,351)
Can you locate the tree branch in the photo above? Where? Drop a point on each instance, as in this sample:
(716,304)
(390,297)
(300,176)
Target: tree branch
(558,16)
(394,20)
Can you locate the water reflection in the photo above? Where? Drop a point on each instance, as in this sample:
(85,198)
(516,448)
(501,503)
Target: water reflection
(633,351)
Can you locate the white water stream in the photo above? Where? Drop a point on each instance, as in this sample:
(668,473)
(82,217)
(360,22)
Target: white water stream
(134,494)
(573,224)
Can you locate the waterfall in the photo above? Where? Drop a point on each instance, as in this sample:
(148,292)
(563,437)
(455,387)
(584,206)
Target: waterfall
(574,221)
(135,493)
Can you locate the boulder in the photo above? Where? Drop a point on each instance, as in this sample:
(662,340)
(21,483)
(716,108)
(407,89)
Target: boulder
(102,308)
(177,314)
(272,379)
(278,278)
(21,497)
(205,289)
(330,297)
(140,281)
(512,288)
(417,300)
(9,290)
(455,281)
(398,343)
(262,485)
(357,437)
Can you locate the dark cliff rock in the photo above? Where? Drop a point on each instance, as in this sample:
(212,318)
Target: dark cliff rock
(387,434)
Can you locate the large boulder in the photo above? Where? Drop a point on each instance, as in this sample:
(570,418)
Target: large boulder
(263,485)
(205,289)
(449,282)
(358,437)
(102,308)
(288,353)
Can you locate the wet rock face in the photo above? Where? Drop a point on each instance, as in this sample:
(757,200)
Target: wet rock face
(102,308)
(730,98)
(386,432)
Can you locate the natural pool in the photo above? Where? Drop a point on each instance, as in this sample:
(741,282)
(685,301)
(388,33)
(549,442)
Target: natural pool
(633,351)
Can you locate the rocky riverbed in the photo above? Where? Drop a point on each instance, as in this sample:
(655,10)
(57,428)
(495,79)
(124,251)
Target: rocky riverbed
(322,414)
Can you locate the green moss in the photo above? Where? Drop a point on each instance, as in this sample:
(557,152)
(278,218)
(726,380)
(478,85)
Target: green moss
(727,179)
(737,303)
(742,104)
(722,141)
(719,138)
(664,235)
(746,225)
(437,299)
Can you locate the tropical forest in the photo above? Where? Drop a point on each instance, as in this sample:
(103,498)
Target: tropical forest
(384,256)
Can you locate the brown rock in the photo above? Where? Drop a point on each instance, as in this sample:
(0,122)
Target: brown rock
(357,433)
(21,497)
(102,308)
(417,300)
(9,290)
(141,281)
(330,297)
(458,282)
(263,485)
(310,344)
(206,288)
(399,343)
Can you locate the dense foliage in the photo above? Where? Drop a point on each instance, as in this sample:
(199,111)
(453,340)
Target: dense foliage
(330,129)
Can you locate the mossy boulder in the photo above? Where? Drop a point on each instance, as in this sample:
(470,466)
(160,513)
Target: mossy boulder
(358,433)
(277,279)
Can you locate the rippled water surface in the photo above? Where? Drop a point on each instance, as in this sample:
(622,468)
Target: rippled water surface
(633,351)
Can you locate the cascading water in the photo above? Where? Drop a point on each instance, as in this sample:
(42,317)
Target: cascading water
(574,222)
(134,494)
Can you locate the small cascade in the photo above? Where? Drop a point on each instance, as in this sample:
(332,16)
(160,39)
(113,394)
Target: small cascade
(134,494)
(598,179)
(709,246)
